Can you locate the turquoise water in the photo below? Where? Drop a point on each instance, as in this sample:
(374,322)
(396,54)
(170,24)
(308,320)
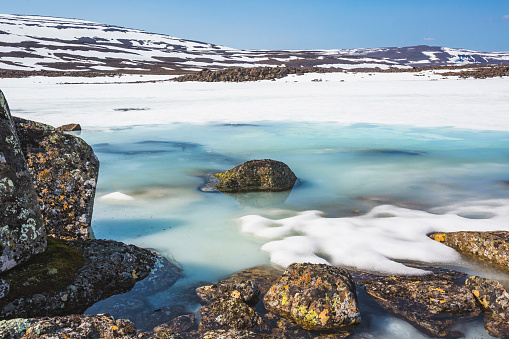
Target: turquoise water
(343,171)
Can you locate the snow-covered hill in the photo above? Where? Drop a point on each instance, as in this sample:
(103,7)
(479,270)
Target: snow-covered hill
(35,43)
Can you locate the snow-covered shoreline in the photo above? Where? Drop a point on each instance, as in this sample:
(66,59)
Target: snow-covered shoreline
(424,99)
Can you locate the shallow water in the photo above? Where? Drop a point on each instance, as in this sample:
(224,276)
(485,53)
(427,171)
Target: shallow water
(382,188)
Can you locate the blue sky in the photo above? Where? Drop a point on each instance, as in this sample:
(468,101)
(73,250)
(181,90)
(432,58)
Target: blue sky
(294,24)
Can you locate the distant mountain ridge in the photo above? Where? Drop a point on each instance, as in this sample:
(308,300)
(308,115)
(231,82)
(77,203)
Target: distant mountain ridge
(37,43)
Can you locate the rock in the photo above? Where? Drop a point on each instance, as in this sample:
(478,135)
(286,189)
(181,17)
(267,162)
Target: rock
(492,247)
(263,276)
(246,291)
(433,303)
(73,326)
(257,175)
(496,328)
(231,313)
(22,229)
(148,320)
(177,325)
(65,171)
(234,334)
(492,297)
(315,296)
(71,276)
(69,128)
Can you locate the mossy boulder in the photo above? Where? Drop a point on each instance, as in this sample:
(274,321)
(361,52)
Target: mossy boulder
(65,171)
(257,175)
(317,297)
(71,276)
(22,231)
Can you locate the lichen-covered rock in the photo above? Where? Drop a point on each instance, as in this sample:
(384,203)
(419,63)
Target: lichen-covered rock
(246,290)
(65,171)
(315,296)
(177,325)
(21,225)
(496,328)
(432,303)
(257,175)
(230,313)
(83,272)
(69,128)
(234,334)
(492,296)
(492,247)
(73,326)
(263,276)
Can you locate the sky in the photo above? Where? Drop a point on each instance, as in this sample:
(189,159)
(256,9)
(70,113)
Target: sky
(297,24)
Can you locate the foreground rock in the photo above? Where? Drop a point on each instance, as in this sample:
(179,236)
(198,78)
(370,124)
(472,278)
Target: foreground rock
(22,230)
(72,326)
(73,275)
(316,297)
(488,246)
(65,171)
(433,303)
(494,301)
(263,276)
(257,175)
(69,128)
(230,306)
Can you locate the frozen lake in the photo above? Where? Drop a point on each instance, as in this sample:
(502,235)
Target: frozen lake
(382,160)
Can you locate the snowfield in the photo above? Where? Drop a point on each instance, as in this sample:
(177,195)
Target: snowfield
(418,99)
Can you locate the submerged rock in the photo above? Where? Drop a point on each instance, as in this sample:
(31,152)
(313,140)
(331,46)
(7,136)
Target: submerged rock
(257,175)
(492,247)
(263,276)
(71,276)
(433,303)
(494,301)
(22,231)
(65,170)
(315,296)
(73,326)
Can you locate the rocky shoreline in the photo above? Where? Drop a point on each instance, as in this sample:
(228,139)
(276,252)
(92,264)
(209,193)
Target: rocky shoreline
(52,272)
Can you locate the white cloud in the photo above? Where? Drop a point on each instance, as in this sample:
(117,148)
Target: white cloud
(506,17)
(429,39)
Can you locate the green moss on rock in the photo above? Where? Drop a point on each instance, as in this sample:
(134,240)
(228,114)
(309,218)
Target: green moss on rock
(50,271)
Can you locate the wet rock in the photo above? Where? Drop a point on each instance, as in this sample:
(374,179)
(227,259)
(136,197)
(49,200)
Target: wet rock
(263,276)
(78,274)
(148,320)
(65,171)
(492,247)
(179,324)
(496,328)
(257,175)
(69,128)
(72,326)
(234,334)
(432,303)
(22,229)
(245,290)
(230,313)
(316,297)
(492,296)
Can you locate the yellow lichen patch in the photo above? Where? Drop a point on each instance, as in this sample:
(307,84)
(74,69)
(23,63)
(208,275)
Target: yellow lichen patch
(438,289)
(284,298)
(135,276)
(324,316)
(236,294)
(476,293)
(442,301)
(115,328)
(440,237)
(44,175)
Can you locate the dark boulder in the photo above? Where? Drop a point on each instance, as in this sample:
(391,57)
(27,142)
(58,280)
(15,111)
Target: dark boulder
(492,247)
(257,175)
(70,276)
(433,303)
(230,313)
(315,296)
(65,170)
(73,326)
(494,301)
(22,231)
(69,128)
